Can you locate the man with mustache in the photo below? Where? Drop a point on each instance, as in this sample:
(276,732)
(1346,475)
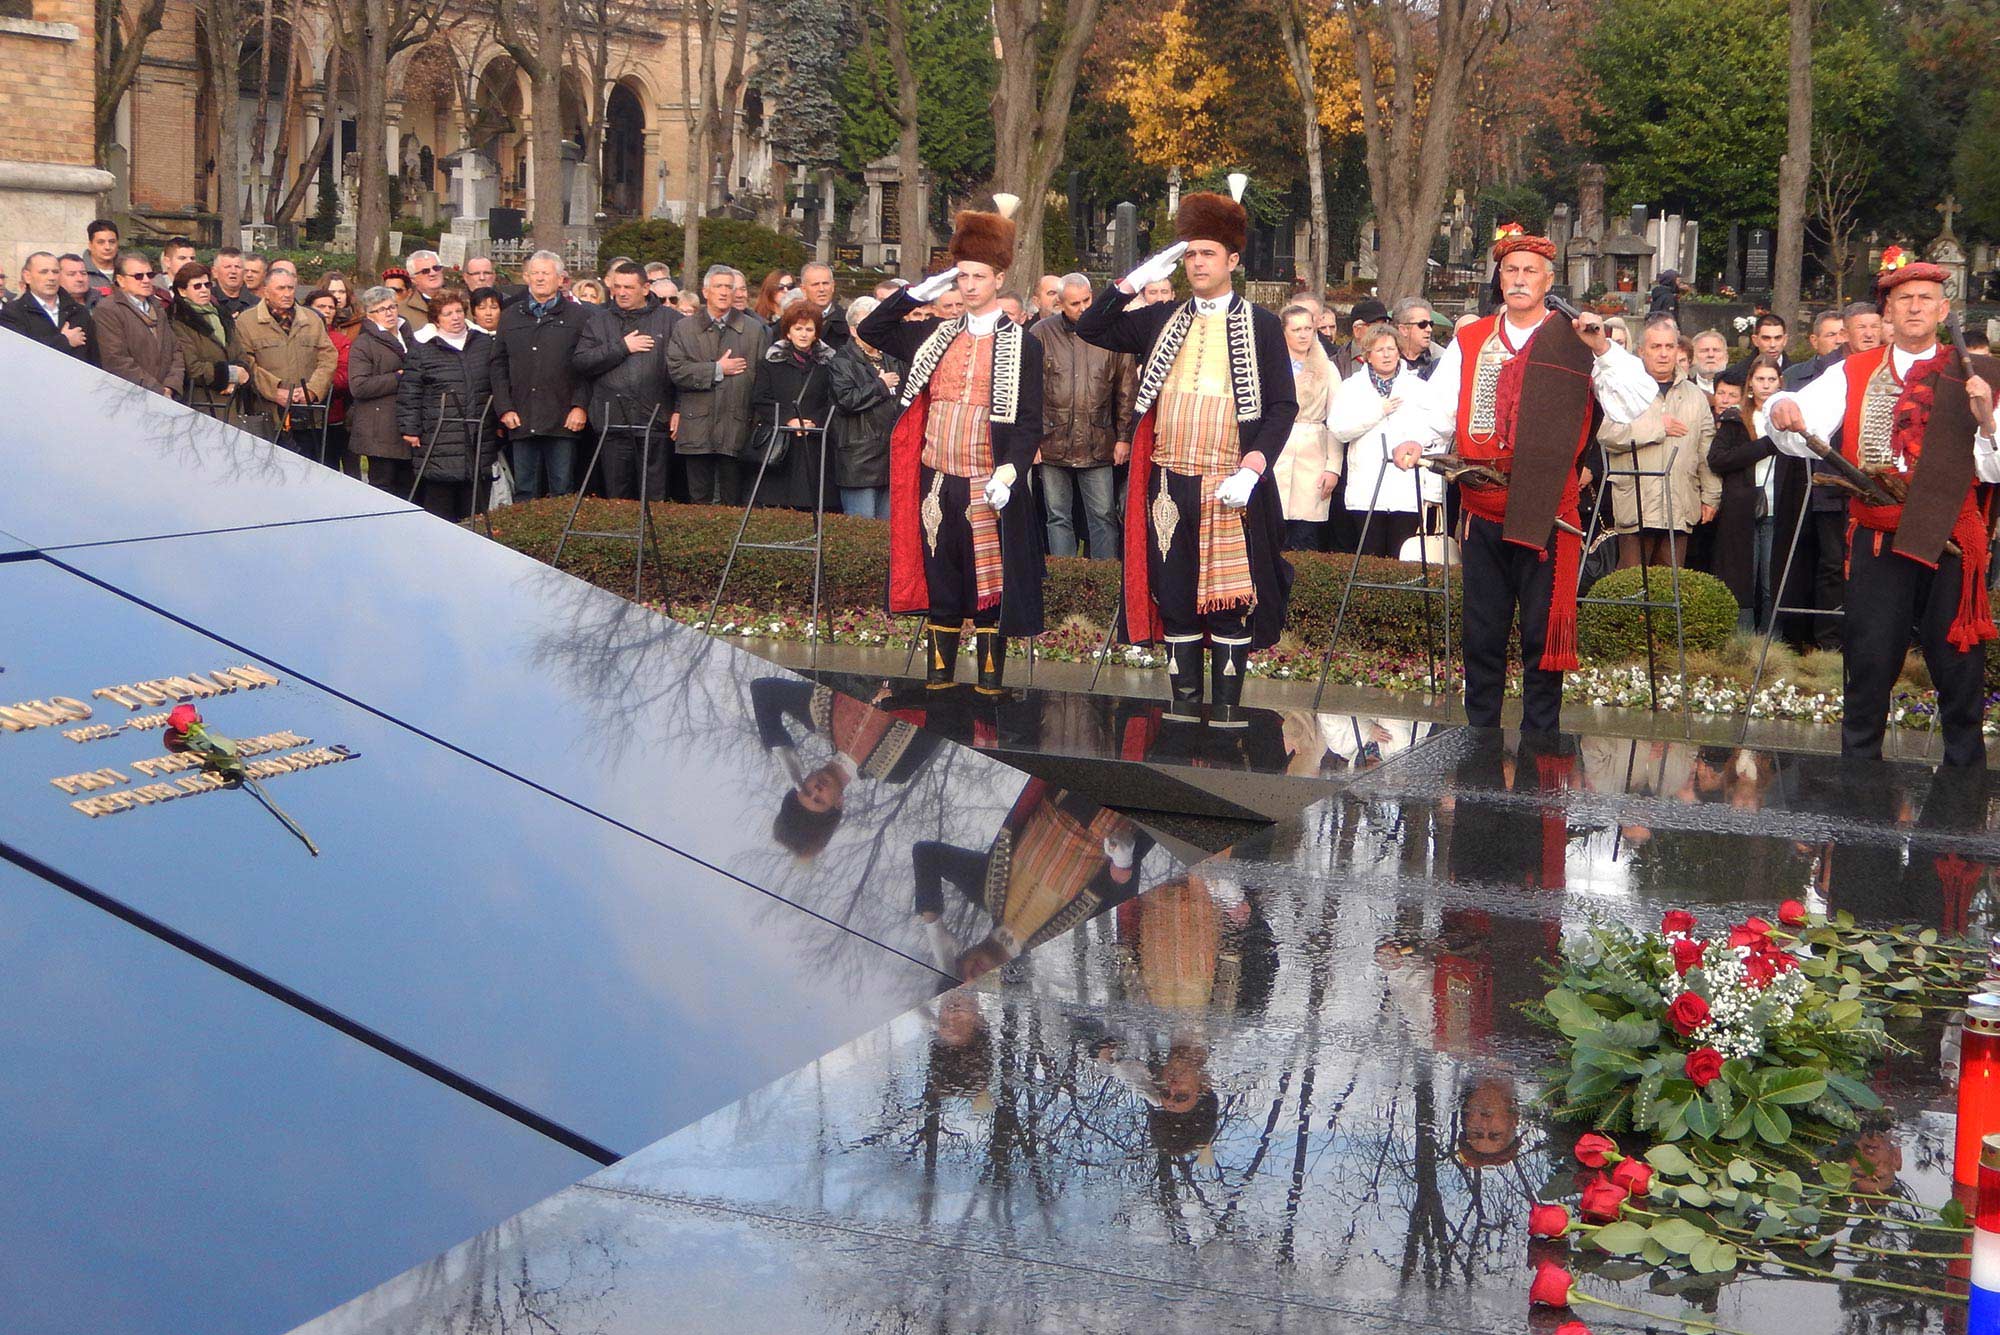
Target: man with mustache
(1515,388)
(1920,417)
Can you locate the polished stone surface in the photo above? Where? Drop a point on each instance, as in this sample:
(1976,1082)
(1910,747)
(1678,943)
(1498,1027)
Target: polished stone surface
(602,980)
(91,458)
(679,737)
(1290,1090)
(185,1153)
(1291,743)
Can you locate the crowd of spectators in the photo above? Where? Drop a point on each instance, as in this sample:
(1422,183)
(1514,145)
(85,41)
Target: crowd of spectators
(427,382)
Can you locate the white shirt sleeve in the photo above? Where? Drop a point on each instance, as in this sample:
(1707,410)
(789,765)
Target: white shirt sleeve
(1985,458)
(1429,416)
(1822,402)
(1623,385)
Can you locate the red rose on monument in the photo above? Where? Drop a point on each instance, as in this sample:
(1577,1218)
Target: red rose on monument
(1634,1176)
(1548,1221)
(1551,1286)
(1703,1065)
(1677,921)
(1571,1328)
(178,723)
(1792,913)
(1688,1013)
(1595,1149)
(1760,970)
(1754,932)
(1601,1200)
(1687,953)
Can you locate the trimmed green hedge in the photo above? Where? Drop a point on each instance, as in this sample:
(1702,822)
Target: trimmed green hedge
(1618,634)
(694,540)
(732,241)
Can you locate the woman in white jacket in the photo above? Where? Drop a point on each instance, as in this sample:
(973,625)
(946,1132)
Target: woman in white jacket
(1309,467)
(1361,406)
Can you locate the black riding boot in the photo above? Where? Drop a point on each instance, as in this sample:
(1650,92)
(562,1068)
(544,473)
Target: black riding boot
(1225,701)
(991,647)
(941,649)
(1184,676)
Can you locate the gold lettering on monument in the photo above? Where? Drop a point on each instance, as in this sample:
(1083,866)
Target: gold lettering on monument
(200,782)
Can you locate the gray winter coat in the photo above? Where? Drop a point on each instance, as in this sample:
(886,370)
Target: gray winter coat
(715,416)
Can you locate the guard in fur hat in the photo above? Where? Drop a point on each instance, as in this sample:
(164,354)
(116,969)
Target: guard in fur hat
(1204,529)
(972,419)
(1919,418)
(1514,389)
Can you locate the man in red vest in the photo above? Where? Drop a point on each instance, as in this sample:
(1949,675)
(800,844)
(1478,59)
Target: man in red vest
(1920,419)
(1515,389)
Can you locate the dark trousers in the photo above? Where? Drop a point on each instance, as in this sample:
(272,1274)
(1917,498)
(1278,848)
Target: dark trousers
(949,566)
(618,465)
(453,500)
(1901,597)
(1176,577)
(1500,576)
(712,479)
(1829,575)
(1388,530)
(390,475)
(1303,535)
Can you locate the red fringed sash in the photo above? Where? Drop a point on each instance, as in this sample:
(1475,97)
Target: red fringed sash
(1142,614)
(909,591)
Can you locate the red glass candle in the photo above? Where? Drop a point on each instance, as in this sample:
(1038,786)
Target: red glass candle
(1978,1085)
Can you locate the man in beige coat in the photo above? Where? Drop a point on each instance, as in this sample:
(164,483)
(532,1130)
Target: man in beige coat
(291,362)
(1653,515)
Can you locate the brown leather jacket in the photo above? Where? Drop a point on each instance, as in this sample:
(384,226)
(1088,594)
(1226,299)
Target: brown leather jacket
(1087,396)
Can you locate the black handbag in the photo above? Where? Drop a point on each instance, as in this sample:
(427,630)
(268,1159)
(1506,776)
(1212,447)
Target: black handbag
(768,444)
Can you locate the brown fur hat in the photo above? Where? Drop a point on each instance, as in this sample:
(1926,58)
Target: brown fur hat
(1206,216)
(982,238)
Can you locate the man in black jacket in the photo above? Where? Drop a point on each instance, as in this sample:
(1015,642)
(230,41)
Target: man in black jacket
(623,352)
(541,401)
(1819,563)
(46,313)
(1204,528)
(816,282)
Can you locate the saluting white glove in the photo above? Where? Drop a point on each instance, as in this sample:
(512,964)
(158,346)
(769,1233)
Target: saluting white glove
(1119,848)
(1235,491)
(1153,270)
(935,286)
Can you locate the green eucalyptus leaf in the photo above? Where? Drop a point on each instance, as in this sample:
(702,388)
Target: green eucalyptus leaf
(1786,1188)
(1836,1173)
(1624,1238)
(1653,1254)
(1678,1236)
(1905,1011)
(1573,1015)
(1928,936)
(1820,1248)
(1846,1012)
(1952,1215)
(1742,1172)
(1696,1196)
(1670,1160)
(1724,1257)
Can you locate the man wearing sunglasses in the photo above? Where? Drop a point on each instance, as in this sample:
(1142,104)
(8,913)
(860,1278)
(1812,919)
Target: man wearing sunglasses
(135,340)
(426,281)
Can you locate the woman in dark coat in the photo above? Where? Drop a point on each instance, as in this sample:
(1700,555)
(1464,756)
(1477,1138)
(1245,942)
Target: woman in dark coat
(447,376)
(865,382)
(794,383)
(1739,455)
(374,375)
(202,331)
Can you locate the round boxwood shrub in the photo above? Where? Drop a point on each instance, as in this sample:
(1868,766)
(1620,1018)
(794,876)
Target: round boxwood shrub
(1618,634)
